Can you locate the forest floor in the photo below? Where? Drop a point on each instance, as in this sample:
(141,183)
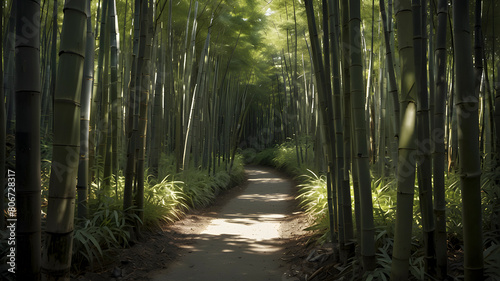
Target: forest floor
(254,231)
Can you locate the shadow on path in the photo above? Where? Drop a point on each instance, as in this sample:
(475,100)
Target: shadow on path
(244,240)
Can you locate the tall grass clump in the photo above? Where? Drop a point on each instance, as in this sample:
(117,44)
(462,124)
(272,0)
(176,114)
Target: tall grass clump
(287,160)
(313,199)
(107,229)
(237,173)
(198,188)
(165,202)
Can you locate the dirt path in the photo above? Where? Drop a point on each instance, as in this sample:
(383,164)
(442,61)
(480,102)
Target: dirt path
(245,241)
(249,233)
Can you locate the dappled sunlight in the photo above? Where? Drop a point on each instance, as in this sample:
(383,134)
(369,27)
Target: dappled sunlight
(257,229)
(253,218)
(265,197)
(239,239)
(244,240)
(267,180)
(408,126)
(254,172)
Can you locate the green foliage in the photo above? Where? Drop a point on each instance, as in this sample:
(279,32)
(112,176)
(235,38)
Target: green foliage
(286,157)
(165,202)
(237,174)
(108,229)
(491,217)
(197,188)
(45,166)
(313,194)
(248,155)
(490,188)
(492,261)
(453,206)
(200,188)
(265,157)
(384,244)
(490,201)
(166,165)
(384,203)
(313,197)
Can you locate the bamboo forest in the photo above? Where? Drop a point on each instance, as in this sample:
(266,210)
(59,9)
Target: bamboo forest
(134,131)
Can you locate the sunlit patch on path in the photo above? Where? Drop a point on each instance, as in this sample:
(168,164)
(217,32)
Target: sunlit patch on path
(243,241)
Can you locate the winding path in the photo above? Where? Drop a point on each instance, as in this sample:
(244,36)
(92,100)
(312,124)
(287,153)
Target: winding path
(245,240)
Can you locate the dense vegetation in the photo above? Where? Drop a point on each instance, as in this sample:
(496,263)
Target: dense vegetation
(124,114)
(313,198)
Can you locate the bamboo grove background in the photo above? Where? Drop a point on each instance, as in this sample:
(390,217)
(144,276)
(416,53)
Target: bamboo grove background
(120,110)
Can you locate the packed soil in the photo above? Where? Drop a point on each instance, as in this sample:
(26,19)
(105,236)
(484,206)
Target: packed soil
(254,231)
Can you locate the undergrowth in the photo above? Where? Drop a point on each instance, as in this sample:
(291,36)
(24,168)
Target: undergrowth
(107,229)
(313,198)
(166,199)
(291,157)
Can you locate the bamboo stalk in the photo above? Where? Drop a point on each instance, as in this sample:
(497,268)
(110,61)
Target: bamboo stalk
(27,172)
(407,144)
(61,201)
(393,87)
(3,129)
(144,59)
(83,183)
(115,105)
(468,146)
(423,151)
(360,149)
